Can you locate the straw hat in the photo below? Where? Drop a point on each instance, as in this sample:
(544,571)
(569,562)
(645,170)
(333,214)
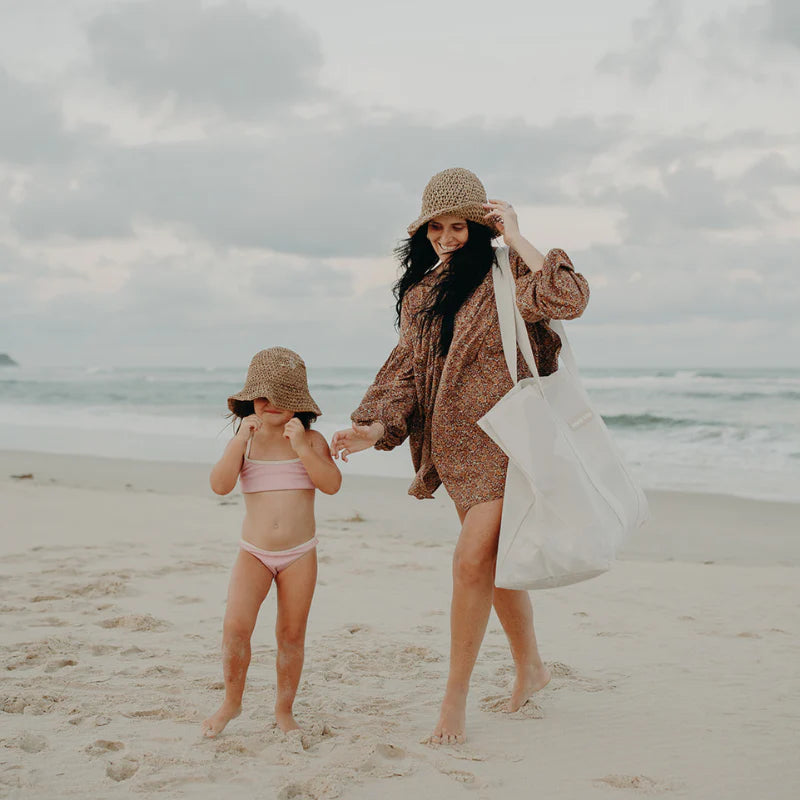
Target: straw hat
(454,191)
(278,374)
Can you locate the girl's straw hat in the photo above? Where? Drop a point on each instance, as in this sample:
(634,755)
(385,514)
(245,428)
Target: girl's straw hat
(278,374)
(454,191)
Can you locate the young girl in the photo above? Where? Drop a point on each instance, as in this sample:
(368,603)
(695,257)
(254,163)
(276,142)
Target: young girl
(279,462)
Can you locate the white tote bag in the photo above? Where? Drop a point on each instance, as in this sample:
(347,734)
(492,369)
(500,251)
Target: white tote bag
(569,499)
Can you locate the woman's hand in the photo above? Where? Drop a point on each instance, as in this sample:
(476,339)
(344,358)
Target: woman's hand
(247,427)
(359,437)
(294,431)
(504,218)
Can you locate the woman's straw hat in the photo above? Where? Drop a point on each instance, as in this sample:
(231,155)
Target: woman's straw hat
(278,374)
(454,191)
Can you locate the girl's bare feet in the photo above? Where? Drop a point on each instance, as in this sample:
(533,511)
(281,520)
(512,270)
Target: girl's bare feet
(286,722)
(530,680)
(451,727)
(216,723)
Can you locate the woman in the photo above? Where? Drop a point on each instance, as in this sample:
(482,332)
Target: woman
(446,372)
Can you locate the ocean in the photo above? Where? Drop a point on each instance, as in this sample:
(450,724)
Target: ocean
(732,431)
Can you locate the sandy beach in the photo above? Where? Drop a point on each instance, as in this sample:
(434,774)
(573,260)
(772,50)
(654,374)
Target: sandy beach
(674,674)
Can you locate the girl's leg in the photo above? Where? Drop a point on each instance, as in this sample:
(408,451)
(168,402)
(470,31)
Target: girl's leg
(473,580)
(515,613)
(250,582)
(295,589)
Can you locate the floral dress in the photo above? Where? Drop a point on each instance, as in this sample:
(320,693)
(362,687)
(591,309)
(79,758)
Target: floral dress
(436,402)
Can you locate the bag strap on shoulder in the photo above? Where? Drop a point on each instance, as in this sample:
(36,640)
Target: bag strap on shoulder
(512,327)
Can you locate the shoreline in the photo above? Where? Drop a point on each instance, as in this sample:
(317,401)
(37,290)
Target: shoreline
(693,527)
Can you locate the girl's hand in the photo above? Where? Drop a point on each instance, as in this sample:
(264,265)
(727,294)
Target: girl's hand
(248,427)
(359,437)
(503,216)
(294,431)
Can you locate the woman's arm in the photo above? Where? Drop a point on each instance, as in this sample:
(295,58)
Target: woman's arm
(382,418)
(555,291)
(547,286)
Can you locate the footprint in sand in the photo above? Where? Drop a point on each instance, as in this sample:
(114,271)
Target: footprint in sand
(151,713)
(560,670)
(49,622)
(385,760)
(638,782)
(460,775)
(101,747)
(294,791)
(100,588)
(60,663)
(31,659)
(103,649)
(133,651)
(567,677)
(234,746)
(314,734)
(135,622)
(31,743)
(162,670)
(497,703)
(123,769)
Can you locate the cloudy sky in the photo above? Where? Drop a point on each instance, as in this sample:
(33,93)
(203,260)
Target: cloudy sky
(186,182)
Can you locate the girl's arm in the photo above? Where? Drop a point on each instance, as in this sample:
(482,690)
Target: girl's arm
(226,471)
(315,454)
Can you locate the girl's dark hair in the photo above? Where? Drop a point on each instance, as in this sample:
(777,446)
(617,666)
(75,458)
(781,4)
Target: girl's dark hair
(244,408)
(462,275)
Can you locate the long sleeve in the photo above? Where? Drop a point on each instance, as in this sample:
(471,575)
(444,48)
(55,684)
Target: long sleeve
(555,291)
(392,397)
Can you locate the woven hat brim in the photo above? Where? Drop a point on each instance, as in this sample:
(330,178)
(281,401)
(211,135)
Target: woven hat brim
(472,212)
(308,406)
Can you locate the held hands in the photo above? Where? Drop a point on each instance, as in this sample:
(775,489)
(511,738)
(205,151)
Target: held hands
(248,426)
(359,437)
(502,215)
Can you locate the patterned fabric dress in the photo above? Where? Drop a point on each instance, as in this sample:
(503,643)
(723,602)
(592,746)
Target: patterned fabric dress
(436,402)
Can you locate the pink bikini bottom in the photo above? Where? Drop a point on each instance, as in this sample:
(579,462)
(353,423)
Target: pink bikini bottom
(277,560)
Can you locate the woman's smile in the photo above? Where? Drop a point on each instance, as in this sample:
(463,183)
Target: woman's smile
(447,233)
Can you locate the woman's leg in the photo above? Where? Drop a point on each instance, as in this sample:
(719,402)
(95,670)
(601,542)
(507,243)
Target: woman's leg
(295,590)
(473,580)
(515,613)
(250,582)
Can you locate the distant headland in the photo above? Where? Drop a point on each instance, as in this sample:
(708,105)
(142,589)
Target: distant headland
(7,361)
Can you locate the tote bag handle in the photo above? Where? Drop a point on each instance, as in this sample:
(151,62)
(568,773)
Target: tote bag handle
(512,327)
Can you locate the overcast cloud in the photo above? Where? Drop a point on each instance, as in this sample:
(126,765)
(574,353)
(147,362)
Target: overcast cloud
(187,182)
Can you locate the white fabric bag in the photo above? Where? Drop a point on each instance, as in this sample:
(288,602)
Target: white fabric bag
(569,499)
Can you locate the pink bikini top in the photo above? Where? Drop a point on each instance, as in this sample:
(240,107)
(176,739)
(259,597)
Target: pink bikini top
(269,476)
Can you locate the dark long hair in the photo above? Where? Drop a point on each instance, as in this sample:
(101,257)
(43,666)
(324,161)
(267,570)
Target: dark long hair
(460,277)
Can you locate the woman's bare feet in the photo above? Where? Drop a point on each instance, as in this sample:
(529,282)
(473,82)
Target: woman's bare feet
(216,723)
(451,727)
(527,682)
(286,722)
